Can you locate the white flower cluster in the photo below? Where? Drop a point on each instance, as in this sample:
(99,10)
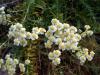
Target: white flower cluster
(20,35)
(87,32)
(84,54)
(64,36)
(22,66)
(54,56)
(3,16)
(9,64)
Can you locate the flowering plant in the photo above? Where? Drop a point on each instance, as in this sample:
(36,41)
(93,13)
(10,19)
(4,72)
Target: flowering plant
(67,37)
(9,64)
(60,35)
(63,35)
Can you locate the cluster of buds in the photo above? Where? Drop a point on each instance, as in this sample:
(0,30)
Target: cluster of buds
(3,16)
(20,35)
(84,54)
(55,57)
(87,31)
(63,35)
(9,64)
(66,37)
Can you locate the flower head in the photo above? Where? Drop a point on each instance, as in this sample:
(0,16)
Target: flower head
(56,61)
(27,61)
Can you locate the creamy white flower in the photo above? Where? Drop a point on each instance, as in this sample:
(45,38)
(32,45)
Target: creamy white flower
(22,35)
(19,25)
(56,53)
(92,53)
(16,42)
(12,28)
(11,71)
(89,32)
(68,38)
(54,21)
(72,35)
(51,38)
(7,56)
(10,34)
(9,61)
(67,32)
(74,40)
(78,54)
(66,25)
(17,35)
(23,42)
(85,50)
(59,26)
(83,59)
(74,47)
(86,54)
(52,28)
(35,30)
(28,35)
(42,30)
(83,34)
(22,67)
(89,57)
(34,36)
(62,46)
(2,8)
(78,37)
(58,41)
(51,56)
(27,62)
(48,44)
(87,27)
(23,30)
(58,34)
(56,61)
(16,61)
(68,45)
(73,29)
(48,34)
(1,61)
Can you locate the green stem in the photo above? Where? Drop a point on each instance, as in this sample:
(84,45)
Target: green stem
(27,11)
(27,72)
(3,43)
